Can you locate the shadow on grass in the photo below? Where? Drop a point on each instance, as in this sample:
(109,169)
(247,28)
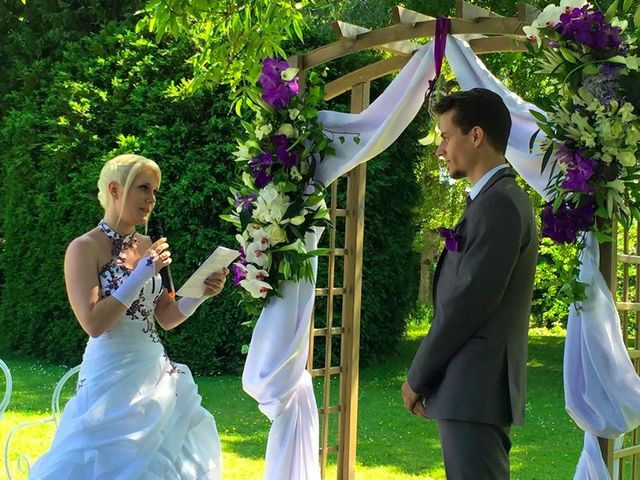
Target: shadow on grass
(547,447)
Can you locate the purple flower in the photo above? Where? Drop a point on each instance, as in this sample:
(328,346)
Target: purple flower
(272,69)
(245,201)
(451,239)
(242,259)
(276,92)
(239,274)
(589,28)
(288,159)
(579,171)
(260,168)
(604,84)
(563,226)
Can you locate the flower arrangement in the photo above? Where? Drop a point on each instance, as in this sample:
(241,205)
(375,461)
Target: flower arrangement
(594,130)
(276,200)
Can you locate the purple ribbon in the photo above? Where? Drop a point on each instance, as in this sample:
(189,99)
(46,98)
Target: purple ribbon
(443,27)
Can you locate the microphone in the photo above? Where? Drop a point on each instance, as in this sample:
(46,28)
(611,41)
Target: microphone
(156,232)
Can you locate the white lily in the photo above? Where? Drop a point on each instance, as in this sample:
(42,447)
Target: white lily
(293,113)
(288,130)
(256,288)
(243,152)
(255,254)
(549,17)
(254,273)
(259,235)
(571,4)
(295,174)
(263,130)
(289,74)
(533,33)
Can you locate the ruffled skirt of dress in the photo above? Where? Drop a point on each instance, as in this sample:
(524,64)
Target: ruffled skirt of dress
(135,415)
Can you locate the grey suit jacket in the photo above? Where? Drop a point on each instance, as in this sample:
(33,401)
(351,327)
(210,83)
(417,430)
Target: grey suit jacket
(472,364)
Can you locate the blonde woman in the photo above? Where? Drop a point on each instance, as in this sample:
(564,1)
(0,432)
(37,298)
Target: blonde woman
(136,414)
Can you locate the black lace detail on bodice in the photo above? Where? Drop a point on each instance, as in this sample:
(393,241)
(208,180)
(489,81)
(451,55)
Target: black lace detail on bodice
(119,243)
(115,271)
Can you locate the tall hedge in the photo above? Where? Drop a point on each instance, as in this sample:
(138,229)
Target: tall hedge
(103,92)
(105,95)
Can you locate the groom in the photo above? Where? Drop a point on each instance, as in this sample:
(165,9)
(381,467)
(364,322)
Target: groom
(470,370)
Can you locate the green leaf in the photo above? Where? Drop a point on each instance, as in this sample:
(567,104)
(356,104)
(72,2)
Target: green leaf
(618,59)
(245,219)
(627,6)
(612,10)
(547,156)
(230,219)
(538,116)
(532,140)
(568,55)
(602,237)
(557,202)
(636,18)
(319,252)
(238,106)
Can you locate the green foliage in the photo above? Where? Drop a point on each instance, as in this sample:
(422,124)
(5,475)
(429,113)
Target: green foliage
(550,305)
(231,37)
(106,95)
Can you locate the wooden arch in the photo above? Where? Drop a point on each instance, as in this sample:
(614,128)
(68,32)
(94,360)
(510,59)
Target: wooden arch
(486,32)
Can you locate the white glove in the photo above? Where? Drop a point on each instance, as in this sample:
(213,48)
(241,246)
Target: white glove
(130,288)
(188,305)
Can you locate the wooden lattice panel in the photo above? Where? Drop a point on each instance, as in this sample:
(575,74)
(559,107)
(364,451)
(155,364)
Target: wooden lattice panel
(625,460)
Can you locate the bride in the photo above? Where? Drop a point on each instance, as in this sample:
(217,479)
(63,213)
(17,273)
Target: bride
(135,414)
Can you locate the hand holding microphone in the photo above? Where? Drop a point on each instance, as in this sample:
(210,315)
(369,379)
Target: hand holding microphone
(156,233)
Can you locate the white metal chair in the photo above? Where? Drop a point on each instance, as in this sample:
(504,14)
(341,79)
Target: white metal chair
(23,463)
(8,388)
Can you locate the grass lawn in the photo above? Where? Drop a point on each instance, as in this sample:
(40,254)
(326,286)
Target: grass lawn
(391,443)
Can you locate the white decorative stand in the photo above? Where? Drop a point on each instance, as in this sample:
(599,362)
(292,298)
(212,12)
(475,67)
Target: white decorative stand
(23,463)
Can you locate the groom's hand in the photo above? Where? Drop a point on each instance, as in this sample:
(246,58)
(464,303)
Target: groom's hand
(413,401)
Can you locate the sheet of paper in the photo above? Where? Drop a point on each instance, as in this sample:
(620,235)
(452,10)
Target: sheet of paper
(220,258)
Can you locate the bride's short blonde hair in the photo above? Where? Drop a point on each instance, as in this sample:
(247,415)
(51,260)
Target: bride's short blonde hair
(123,169)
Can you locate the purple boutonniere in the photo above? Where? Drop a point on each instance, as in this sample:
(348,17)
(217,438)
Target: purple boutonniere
(451,239)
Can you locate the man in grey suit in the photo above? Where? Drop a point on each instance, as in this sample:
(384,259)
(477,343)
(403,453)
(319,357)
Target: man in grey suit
(470,370)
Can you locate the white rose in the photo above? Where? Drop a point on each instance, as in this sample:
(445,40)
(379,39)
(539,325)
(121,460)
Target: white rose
(276,234)
(270,205)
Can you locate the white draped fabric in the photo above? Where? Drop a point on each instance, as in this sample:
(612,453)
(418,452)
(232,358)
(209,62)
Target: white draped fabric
(601,402)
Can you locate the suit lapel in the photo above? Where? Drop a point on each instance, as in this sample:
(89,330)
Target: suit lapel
(499,175)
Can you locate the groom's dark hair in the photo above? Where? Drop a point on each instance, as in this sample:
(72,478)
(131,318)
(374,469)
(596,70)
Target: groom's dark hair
(482,108)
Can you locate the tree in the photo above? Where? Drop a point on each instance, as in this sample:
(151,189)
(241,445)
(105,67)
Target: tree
(231,37)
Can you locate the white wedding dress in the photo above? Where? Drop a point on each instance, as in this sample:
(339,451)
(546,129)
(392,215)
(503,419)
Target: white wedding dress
(135,414)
